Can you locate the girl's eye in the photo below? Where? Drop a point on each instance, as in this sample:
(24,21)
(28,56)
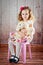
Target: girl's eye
(22,14)
(26,13)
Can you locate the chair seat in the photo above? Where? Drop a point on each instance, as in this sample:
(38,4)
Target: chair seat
(25,43)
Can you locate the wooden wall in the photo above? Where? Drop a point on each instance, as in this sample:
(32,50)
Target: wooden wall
(9,10)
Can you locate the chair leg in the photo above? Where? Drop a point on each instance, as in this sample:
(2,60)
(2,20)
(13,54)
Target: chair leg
(8,53)
(30,51)
(21,51)
(24,53)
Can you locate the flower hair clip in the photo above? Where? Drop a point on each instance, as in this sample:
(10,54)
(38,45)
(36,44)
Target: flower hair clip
(22,8)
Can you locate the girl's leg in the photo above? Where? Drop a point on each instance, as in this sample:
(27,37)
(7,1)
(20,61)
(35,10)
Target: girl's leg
(14,58)
(18,49)
(17,52)
(11,47)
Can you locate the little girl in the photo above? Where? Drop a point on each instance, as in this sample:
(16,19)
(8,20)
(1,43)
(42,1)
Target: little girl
(26,20)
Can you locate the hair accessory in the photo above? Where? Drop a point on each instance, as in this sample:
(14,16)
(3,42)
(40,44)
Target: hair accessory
(22,8)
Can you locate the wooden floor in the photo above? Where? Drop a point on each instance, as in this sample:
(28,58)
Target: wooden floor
(37,56)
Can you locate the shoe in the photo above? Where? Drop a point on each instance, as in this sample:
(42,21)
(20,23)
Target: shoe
(14,59)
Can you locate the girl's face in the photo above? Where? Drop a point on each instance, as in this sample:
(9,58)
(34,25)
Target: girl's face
(25,14)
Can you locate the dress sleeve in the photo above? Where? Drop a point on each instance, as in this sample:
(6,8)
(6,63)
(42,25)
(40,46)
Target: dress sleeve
(32,27)
(19,26)
(31,23)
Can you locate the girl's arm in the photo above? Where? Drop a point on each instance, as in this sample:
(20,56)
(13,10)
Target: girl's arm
(32,27)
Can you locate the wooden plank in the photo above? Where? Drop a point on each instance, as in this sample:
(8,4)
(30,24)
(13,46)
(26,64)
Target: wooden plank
(34,47)
(37,57)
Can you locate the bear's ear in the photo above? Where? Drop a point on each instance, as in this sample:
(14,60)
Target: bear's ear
(30,25)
